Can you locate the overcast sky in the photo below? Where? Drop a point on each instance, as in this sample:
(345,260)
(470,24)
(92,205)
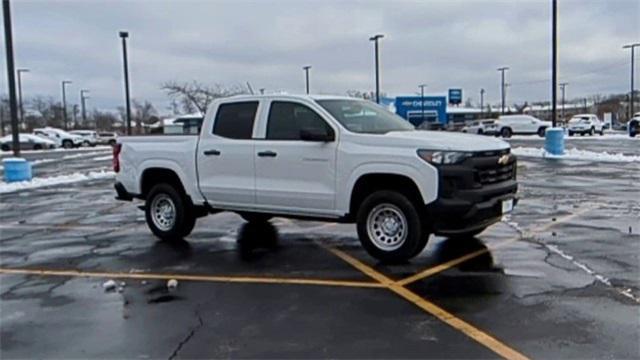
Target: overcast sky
(441,43)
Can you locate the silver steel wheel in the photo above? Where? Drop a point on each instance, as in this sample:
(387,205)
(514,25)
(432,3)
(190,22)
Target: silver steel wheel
(163,212)
(387,227)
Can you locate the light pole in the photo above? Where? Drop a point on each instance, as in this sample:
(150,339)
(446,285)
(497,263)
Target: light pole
(502,70)
(82,103)
(422,86)
(375,39)
(481,102)
(20,107)
(64,102)
(554,61)
(631,97)
(124,35)
(11,77)
(562,87)
(306,75)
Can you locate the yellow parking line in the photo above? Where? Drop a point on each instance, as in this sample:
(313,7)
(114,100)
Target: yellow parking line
(187,277)
(451,263)
(471,331)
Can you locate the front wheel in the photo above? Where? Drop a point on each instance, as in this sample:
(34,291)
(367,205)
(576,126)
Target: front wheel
(592,131)
(169,215)
(390,228)
(67,144)
(541,132)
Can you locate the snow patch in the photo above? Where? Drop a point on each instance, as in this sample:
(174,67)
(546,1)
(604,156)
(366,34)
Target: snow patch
(54,180)
(575,154)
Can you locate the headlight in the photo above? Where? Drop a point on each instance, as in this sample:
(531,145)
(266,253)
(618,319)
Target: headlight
(443,157)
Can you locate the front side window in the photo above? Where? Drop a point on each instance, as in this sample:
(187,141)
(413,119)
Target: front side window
(365,117)
(287,120)
(235,120)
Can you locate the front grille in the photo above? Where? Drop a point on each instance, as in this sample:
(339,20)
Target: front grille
(495,175)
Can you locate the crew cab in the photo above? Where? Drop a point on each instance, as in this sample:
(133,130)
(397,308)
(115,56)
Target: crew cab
(585,124)
(508,125)
(327,158)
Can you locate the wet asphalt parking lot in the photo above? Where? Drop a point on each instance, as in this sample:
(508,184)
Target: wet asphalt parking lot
(558,278)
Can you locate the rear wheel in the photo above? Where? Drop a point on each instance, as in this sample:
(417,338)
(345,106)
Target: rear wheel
(169,215)
(5,147)
(541,132)
(37,147)
(592,131)
(389,227)
(506,132)
(570,133)
(67,144)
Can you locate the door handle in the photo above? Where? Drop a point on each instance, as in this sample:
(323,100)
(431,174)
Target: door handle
(267,153)
(212,152)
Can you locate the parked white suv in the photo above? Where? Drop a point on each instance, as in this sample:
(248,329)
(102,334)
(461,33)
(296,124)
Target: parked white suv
(323,157)
(90,137)
(585,124)
(508,125)
(483,126)
(60,137)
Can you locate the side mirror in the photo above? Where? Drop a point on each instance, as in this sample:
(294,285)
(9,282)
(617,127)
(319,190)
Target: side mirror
(317,134)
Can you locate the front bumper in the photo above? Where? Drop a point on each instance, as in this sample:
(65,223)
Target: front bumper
(471,194)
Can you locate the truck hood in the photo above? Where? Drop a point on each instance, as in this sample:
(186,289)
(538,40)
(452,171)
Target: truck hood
(441,140)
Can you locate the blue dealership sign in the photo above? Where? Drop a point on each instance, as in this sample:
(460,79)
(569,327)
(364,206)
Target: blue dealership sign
(410,108)
(455,96)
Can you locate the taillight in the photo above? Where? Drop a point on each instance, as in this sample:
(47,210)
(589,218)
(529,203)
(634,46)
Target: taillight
(116,157)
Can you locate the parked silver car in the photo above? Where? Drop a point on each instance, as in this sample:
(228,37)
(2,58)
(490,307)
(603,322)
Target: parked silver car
(27,142)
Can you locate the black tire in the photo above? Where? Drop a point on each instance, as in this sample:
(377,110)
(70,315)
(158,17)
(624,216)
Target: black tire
(570,133)
(601,132)
(480,132)
(37,147)
(592,131)
(506,132)
(582,134)
(86,143)
(112,142)
(466,235)
(255,217)
(67,144)
(413,237)
(542,131)
(5,147)
(184,219)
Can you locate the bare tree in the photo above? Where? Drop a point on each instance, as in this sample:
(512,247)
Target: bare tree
(143,112)
(104,120)
(195,96)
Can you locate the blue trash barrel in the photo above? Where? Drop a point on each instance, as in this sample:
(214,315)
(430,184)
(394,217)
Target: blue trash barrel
(554,141)
(16,169)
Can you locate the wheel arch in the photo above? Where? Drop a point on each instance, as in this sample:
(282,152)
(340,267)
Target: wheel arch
(371,182)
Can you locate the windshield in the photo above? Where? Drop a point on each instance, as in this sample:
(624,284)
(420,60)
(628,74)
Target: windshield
(364,117)
(579,118)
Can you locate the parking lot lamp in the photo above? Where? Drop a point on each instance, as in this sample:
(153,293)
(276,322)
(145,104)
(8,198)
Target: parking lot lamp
(64,102)
(83,97)
(124,35)
(631,97)
(502,90)
(563,87)
(422,86)
(306,75)
(11,77)
(20,107)
(375,39)
(481,102)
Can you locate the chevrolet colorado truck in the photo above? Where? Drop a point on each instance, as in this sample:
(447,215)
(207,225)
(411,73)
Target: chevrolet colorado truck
(328,158)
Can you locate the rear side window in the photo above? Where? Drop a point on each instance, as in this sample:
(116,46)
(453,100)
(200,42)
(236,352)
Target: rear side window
(235,121)
(287,119)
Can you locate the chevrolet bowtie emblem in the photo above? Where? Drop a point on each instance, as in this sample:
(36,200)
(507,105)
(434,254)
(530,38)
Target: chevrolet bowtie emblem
(503,160)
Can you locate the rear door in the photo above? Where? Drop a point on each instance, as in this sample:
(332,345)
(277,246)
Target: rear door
(225,155)
(292,173)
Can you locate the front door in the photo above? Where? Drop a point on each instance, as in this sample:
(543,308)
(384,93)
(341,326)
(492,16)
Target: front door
(293,173)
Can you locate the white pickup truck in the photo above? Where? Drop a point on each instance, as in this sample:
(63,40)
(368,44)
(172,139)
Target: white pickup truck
(325,158)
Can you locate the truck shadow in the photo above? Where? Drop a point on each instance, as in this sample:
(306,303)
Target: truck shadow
(255,239)
(451,249)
